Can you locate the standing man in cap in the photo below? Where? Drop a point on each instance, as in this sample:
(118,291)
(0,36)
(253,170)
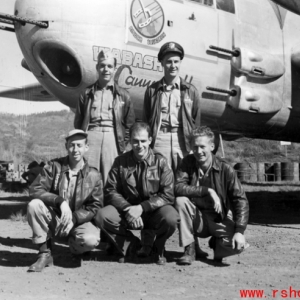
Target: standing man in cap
(65,198)
(105,111)
(172,109)
(210,201)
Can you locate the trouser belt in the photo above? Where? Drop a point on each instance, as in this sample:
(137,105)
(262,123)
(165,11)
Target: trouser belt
(101,128)
(169,129)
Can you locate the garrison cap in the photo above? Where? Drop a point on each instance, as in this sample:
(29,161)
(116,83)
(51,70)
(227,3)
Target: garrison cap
(105,55)
(76,132)
(168,48)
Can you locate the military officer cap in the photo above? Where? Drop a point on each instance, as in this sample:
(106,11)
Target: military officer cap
(76,132)
(168,48)
(105,55)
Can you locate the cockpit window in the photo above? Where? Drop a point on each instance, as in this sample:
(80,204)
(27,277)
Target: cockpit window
(226,5)
(204,2)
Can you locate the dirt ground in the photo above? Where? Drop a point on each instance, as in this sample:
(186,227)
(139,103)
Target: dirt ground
(271,262)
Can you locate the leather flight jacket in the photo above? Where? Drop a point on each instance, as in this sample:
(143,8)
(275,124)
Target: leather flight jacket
(224,181)
(190,100)
(123,113)
(121,190)
(88,192)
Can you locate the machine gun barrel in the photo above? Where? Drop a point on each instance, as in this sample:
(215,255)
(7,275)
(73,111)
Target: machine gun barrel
(231,93)
(235,52)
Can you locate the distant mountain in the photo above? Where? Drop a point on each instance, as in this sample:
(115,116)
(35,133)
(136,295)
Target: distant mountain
(34,137)
(41,137)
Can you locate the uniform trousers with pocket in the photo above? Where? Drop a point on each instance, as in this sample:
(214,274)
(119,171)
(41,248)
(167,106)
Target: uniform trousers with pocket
(204,223)
(45,224)
(163,221)
(102,149)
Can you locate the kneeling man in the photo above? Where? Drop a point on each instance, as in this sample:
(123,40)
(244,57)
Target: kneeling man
(66,197)
(139,194)
(210,201)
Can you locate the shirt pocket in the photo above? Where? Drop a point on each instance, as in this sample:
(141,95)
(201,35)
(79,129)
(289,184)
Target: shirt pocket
(95,113)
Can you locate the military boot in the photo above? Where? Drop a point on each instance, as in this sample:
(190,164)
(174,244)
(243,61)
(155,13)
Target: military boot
(189,255)
(45,258)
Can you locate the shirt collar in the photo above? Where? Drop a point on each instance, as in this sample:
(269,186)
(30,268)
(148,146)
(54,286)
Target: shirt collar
(110,86)
(201,173)
(176,84)
(147,159)
(66,167)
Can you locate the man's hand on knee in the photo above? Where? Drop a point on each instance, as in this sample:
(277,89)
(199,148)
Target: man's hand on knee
(238,241)
(66,229)
(138,223)
(133,213)
(66,214)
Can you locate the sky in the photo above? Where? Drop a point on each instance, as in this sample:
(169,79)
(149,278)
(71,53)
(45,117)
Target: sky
(13,75)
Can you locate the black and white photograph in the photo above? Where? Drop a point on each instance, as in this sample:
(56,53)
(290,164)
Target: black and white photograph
(149,149)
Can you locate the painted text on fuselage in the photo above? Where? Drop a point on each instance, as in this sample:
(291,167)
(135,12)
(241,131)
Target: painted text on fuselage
(136,60)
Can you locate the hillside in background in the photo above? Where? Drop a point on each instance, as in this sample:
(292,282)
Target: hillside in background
(34,137)
(252,150)
(41,137)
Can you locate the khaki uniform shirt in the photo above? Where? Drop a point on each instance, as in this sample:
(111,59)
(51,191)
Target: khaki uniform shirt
(171,115)
(102,107)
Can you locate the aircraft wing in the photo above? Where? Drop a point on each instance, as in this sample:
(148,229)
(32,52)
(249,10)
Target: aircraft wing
(32,92)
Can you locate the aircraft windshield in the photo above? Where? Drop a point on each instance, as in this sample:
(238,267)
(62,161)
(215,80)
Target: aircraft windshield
(226,5)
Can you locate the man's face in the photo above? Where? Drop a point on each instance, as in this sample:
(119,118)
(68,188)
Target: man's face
(76,147)
(140,142)
(106,69)
(202,148)
(171,64)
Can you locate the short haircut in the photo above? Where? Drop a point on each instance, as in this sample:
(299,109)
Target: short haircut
(138,126)
(202,131)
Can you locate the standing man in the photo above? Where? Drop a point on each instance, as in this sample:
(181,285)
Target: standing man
(66,197)
(210,201)
(171,107)
(139,194)
(105,111)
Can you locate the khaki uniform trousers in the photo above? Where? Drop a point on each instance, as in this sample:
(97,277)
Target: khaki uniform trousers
(172,146)
(102,149)
(45,224)
(203,224)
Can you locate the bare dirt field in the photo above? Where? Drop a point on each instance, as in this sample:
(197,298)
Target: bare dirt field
(271,263)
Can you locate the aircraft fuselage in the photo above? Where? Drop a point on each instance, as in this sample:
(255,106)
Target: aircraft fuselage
(264,76)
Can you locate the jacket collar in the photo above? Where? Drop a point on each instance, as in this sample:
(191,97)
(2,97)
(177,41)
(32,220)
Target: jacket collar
(65,166)
(149,159)
(93,88)
(216,164)
(176,84)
